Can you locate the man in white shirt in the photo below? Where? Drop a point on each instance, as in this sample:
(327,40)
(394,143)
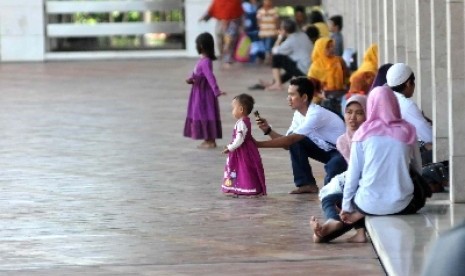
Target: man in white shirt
(401,79)
(312,134)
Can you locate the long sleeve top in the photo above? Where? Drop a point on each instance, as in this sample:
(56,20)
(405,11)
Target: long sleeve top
(241,131)
(378,178)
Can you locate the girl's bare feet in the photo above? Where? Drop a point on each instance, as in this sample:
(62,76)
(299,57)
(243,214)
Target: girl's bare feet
(207,145)
(359,237)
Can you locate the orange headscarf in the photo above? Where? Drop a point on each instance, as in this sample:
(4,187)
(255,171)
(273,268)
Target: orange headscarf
(327,69)
(370,62)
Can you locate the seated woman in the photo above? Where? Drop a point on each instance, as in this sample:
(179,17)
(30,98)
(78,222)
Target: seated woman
(371,186)
(329,69)
(378,180)
(331,194)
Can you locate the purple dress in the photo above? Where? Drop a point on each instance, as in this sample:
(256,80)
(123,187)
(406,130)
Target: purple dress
(243,173)
(203,112)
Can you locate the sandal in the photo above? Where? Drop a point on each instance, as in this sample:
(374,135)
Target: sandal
(257,86)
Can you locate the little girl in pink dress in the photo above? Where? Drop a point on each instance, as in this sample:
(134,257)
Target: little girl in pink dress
(243,174)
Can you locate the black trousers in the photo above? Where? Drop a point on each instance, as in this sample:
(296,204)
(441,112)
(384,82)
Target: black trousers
(287,65)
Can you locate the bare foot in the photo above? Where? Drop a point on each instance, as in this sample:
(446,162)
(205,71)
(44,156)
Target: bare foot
(226,66)
(350,218)
(274,87)
(316,227)
(359,237)
(330,226)
(307,189)
(265,83)
(207,145)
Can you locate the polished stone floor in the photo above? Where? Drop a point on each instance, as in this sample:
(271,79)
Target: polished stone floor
(96,179)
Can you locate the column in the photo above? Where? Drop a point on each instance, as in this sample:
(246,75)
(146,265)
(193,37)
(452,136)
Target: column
(22,36)
(456,96)
(374,22)
(439,81)
(411,42)
(194,9)
(388,31)
(348,30)
(362,33)
(381,33)
(423,38)
(399,31)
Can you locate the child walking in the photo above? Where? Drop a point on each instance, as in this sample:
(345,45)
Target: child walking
(243,174)
(203,112)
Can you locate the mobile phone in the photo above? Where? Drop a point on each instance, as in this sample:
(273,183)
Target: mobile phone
(257,115)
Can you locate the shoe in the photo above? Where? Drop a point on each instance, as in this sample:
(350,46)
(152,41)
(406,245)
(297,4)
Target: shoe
(257,87)
(307,189)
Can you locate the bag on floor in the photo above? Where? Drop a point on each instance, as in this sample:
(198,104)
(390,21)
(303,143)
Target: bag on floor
(242,52)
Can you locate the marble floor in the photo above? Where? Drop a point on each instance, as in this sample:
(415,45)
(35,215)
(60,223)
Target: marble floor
(96,179)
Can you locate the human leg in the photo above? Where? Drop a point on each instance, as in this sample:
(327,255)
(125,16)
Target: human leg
(230,39)
(283,62)
(335,165)
(300,152)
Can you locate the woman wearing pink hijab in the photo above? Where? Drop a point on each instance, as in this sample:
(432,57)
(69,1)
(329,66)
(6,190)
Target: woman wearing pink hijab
(378,180)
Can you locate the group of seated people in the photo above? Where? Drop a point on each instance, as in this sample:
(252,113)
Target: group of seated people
(372,158)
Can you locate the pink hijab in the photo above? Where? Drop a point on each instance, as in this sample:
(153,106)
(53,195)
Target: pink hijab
(384,118)
(344,141)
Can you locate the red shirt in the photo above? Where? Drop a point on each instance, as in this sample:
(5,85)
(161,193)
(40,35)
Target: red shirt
(226,9)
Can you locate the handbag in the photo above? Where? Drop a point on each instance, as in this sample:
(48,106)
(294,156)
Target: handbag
(436,175)
(242,52)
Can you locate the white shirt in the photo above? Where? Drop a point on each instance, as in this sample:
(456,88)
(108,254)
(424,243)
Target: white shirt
(412,114)
(320,125)
(241,131)
(378,176)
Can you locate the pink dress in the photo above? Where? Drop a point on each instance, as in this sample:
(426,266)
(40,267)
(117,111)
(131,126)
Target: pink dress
(244,173)
(203,112)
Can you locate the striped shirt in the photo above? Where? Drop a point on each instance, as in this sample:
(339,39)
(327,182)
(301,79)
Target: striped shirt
(268,22)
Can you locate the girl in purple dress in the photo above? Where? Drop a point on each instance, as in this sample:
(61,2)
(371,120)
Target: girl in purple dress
(243,174)
(203,112)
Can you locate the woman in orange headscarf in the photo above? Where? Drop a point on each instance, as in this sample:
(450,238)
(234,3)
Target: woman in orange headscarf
(361,80)
(329,69)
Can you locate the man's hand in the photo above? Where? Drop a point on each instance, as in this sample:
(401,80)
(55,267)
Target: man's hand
(262,124)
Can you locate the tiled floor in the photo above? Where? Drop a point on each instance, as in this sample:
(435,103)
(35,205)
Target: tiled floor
(96,179)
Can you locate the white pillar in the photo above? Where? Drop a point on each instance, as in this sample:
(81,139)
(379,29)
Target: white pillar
(388,31)
(439,80)
(194,9)
(22,25)
(411,42)
(381,32)
(423,38)
(399,31)
(456,96)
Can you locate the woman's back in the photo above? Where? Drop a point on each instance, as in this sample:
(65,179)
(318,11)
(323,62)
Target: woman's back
(385,186)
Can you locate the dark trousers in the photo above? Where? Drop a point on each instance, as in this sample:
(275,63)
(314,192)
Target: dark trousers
(288,65)
(306,148)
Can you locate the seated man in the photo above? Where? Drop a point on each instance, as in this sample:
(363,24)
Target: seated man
(401,79)
(291,54)
(312,134)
